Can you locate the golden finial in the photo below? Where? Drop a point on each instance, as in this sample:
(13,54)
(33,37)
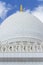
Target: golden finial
(21,8)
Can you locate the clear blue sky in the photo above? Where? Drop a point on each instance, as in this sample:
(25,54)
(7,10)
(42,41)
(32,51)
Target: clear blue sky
(15,4)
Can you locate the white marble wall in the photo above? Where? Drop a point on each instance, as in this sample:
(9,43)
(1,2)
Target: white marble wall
(21,63)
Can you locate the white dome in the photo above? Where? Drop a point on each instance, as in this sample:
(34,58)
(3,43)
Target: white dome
(21,24)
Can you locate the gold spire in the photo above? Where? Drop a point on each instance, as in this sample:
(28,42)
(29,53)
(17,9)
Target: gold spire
(21,8)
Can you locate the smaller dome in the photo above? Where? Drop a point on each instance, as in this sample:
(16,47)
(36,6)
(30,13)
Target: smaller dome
(21,24)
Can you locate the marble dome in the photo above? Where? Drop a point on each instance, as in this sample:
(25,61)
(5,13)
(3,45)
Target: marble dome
(21,25)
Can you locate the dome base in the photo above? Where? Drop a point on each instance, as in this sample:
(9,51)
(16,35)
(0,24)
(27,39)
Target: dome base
(21,45)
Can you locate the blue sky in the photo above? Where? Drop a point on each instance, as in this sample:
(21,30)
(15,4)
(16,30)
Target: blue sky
(8,7)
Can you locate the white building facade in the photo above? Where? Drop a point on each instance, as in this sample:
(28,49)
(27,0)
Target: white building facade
(21,36)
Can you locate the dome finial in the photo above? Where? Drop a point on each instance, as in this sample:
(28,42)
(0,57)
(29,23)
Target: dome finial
(21,8)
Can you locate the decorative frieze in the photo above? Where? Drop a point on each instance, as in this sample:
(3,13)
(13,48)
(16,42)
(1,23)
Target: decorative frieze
(21,46)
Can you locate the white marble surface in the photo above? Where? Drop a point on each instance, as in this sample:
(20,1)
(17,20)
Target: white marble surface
(21,63)
(24,55)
